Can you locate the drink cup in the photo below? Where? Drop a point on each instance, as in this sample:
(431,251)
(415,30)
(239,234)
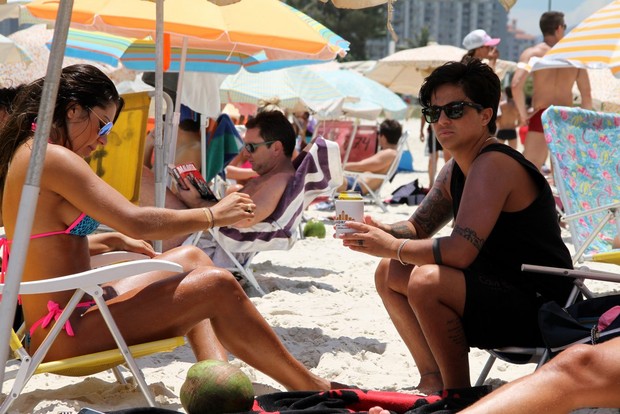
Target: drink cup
(349,207)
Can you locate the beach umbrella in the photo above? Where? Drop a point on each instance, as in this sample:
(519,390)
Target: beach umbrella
(295,89)
(594,44)
(9,9)
(372,99)
(11,52)
(605,90)
(139,54)
(32,41)
(404,71)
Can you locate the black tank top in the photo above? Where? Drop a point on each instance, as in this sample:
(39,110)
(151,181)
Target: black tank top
(529,236)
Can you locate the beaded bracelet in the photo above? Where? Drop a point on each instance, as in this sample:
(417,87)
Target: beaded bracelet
(400,249)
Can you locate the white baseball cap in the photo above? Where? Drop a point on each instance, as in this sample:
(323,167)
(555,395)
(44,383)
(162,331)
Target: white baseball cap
(479,38)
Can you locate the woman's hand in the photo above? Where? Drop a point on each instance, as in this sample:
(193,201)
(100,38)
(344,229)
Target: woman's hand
(114,241)
(370,239)
(232,209)
(136,246)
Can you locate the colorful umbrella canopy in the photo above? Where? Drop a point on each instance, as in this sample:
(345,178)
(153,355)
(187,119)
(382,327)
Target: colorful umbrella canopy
(139,54)
(248,26)
(11,52)
(594,43)
(32,40)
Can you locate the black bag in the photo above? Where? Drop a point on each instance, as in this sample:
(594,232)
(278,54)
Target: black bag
(411,193)
(588,322)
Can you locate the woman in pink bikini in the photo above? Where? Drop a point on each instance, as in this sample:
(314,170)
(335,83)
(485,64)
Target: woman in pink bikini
(73,200)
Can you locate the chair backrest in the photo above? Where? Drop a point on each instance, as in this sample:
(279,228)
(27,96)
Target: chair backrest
(319,173)
(586,165)
(222,145)
(400,149)
(119,163)
(364,144)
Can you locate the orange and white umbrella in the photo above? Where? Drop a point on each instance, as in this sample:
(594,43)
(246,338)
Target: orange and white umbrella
(593,44)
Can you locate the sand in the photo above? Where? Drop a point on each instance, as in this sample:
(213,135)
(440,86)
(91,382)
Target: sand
(321,302)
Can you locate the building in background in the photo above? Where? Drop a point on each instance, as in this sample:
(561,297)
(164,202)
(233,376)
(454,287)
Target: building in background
(447,23)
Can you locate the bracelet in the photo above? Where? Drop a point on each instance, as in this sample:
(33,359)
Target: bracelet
(209,216)
(400,249)
(437,252)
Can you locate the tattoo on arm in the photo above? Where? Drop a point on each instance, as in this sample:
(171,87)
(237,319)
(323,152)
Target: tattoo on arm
(469,235)
(433,213)
(401,231)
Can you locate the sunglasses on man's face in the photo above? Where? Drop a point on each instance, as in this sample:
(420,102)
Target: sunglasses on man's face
(104,127)
(453,110)
(253,146)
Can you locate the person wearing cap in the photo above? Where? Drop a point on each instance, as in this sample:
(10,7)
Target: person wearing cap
(550,87)
(481,46)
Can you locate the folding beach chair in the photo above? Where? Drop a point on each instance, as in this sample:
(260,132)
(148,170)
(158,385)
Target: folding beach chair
(120,161)
(360,177)
(584,153)
(356,141)
(319,173)
(88,282)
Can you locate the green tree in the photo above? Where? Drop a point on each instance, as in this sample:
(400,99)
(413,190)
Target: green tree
(355,26)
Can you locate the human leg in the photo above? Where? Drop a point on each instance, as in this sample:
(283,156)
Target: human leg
(391,279)
(437,296)
(535,148)
(176,305)
(582,376)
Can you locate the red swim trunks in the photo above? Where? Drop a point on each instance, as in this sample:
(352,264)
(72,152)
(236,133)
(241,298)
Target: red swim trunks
(535,124)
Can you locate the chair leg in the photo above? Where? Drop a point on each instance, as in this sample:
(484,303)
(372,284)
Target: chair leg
(485,370)
(119,376)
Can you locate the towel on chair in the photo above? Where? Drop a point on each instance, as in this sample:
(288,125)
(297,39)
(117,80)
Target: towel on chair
(222,146)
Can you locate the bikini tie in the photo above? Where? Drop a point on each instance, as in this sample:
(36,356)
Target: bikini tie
(54,313)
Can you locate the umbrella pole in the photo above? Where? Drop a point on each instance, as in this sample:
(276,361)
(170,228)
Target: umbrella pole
(177,103)
(160,183)
(30,192)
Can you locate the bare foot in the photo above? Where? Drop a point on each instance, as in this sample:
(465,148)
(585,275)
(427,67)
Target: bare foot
(430,382)
(378,410)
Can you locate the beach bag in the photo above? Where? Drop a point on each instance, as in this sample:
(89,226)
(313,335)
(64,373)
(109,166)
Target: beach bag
(411,193)
(591,321)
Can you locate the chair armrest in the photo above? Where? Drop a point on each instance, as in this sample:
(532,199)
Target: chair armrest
(592,211)
(574,273)
(363,174)
(109,258)
(96,276)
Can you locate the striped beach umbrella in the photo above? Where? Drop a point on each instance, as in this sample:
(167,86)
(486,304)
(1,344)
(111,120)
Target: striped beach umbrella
(592,44)
(139,54)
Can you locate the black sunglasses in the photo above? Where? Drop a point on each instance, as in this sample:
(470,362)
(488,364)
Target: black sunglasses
(252,147)
(453,110)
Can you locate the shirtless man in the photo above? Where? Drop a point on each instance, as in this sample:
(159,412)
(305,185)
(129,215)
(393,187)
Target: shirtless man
(551,87)
(390,132)
(187,148)
(507,120)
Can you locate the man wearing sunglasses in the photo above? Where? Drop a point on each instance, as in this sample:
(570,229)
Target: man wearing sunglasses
(466,289)
(551,87)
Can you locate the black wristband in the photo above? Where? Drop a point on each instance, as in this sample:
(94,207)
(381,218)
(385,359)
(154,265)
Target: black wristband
(437,252)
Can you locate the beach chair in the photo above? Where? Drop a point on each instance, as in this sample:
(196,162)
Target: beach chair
(356,141)
(375,195)
(319,173)
(120,161)
(106,267)
(583,148)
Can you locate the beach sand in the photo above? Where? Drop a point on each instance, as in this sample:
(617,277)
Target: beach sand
(321,302)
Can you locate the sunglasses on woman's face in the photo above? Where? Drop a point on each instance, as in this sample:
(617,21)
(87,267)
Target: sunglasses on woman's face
(104,127)
(453,110)
(252,147)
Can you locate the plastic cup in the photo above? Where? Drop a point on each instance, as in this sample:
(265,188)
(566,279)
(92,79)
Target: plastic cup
(349,207)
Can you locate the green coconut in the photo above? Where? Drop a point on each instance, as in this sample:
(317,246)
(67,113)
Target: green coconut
(314,228)
(216,387)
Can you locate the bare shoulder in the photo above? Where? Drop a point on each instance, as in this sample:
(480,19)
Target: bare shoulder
(538,50)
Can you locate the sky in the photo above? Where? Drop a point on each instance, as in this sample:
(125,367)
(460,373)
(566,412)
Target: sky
(527,12)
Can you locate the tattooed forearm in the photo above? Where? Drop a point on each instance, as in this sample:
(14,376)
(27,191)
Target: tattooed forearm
(434,212)
(402,230)
(469,235)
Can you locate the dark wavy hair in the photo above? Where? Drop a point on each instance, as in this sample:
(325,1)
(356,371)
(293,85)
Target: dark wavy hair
(79,84)
(477,80)
(274,126)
